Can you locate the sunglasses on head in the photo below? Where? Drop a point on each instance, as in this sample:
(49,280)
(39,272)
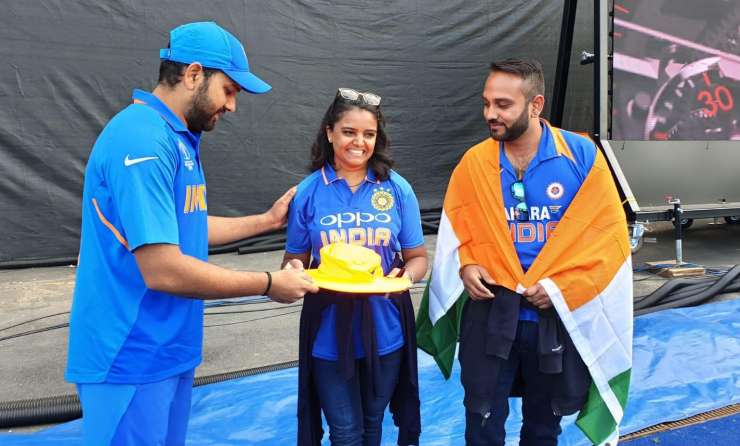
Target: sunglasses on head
(351,95)
(521,210)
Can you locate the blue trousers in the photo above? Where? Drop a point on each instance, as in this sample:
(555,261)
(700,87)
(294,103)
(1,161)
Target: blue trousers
(354,416)
(151,414)
(541,426)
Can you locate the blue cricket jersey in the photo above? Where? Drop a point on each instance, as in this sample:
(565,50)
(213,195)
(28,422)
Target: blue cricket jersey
(143,185)
(381,215)
(550,183)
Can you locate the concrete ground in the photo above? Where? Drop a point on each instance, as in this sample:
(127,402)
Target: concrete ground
(32,365)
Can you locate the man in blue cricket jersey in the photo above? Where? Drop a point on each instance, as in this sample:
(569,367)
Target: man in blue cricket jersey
(542,169)
(136,327)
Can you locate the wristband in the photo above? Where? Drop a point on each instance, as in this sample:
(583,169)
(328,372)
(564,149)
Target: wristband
(269,283)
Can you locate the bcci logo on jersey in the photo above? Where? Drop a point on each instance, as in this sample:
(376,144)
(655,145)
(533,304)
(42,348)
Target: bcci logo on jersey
(382,200)
(555,191)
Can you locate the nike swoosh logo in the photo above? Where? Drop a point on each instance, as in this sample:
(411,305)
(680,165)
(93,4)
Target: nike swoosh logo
(130,162)
(557,349)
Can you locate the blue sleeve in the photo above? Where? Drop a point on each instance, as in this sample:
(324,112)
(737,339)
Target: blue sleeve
(140,170)
(297,235)
(411,235)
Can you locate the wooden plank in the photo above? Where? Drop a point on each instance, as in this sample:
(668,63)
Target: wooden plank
(682,271)
(666,268)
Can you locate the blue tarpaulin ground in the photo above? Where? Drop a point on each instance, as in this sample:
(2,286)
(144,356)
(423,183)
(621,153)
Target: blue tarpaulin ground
(686,362)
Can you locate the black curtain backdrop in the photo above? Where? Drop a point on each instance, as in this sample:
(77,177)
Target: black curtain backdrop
(69,65)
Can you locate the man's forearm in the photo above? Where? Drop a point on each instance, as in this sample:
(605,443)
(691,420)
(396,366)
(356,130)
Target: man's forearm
(223,230)
(203,280)
(164,268)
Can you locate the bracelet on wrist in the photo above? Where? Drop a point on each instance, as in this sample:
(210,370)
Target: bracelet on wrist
(269,283)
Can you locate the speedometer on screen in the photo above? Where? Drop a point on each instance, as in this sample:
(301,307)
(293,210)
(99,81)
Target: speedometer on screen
(676,70)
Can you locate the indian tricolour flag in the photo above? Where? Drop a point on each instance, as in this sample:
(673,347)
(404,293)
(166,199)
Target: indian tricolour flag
(585,267)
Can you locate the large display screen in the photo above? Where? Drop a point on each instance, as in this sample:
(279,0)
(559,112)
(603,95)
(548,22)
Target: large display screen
(676,70)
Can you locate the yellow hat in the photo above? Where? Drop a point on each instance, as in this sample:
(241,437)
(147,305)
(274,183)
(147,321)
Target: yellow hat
(354,269)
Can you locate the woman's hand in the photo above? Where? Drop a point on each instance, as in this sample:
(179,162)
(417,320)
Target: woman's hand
(400,272)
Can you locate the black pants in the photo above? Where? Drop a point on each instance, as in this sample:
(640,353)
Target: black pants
(541,427)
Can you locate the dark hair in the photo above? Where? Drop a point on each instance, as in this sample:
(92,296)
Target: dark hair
(530,71)
(170,72)
(322,151)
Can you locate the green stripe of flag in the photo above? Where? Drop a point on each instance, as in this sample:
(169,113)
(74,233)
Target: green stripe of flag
(595,420)
(440,340)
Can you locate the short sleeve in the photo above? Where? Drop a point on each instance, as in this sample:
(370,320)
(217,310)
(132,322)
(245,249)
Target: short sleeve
(141,177)
(298,236)
(411,234)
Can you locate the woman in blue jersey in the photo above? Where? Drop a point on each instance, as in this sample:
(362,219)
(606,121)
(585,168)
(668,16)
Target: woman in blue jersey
(357,353)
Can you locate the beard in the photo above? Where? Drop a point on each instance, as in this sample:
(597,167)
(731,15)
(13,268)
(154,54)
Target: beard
(201,116)
(517,128)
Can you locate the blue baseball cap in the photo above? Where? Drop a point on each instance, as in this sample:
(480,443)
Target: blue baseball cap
(213,47)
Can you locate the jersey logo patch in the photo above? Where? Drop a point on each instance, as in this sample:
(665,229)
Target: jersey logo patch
(555,191)
(131,161)
(185,155)
(382,200)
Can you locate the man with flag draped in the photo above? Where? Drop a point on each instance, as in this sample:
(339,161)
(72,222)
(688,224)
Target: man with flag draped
(532,273)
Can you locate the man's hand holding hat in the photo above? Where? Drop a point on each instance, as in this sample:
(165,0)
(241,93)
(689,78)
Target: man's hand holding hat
(290,284)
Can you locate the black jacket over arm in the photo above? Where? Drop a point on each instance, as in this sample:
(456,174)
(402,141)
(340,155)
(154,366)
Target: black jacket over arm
(488,329)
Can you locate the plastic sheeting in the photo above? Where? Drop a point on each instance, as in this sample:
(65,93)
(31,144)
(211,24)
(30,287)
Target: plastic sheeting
(686,361)
(69,65)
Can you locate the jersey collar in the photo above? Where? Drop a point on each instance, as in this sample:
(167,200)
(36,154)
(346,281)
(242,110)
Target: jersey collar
(329,175)
(141,96)
(545,150)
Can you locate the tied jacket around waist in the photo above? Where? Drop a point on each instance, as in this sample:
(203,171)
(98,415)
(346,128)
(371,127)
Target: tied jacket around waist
(404,405)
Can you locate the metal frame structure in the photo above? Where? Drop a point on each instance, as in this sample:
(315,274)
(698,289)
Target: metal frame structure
(603,70)
(561,71)
(673,209)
